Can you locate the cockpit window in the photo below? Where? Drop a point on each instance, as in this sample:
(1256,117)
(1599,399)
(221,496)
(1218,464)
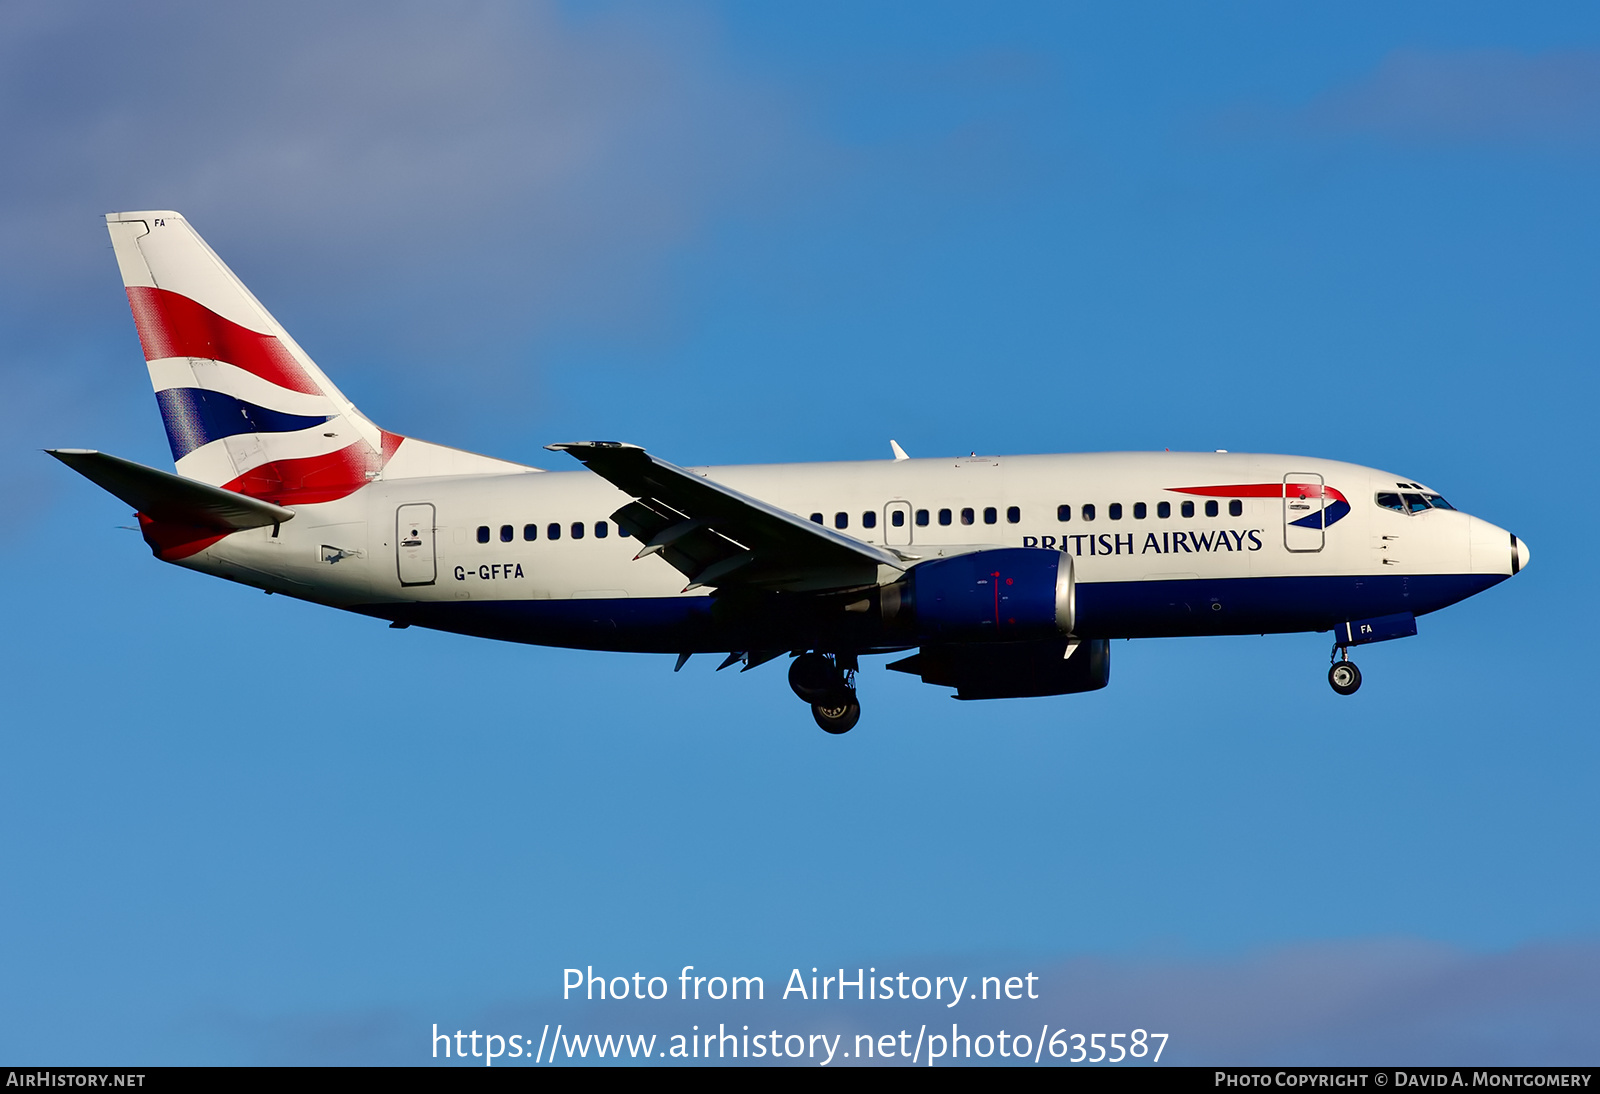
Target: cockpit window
(1412,503)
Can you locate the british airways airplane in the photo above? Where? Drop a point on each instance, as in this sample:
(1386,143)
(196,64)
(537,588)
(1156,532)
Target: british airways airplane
(1000,576)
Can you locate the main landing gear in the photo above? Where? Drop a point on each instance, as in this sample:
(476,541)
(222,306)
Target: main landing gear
(828,684)
(1344,677)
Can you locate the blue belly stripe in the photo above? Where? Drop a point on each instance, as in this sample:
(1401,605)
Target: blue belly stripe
(1107,609)
(1263,605)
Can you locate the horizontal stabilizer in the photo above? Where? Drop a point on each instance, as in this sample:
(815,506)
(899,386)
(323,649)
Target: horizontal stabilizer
(170,498)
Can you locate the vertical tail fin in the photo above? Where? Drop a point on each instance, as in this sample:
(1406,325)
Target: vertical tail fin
(244,407)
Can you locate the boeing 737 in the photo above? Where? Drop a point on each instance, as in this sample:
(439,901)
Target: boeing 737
(1000,577)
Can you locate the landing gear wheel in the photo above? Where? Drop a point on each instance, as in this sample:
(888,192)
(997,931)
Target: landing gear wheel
(838,714)
(814,678)
(1344,677)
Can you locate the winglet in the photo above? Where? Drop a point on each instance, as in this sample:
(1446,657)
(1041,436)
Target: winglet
(899,453)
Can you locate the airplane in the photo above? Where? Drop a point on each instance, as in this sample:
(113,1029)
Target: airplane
(999,576)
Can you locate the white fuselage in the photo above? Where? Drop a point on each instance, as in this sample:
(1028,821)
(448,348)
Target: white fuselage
(1248,568)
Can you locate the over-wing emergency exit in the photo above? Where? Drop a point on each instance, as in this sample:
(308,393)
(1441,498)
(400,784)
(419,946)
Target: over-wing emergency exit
(999,577)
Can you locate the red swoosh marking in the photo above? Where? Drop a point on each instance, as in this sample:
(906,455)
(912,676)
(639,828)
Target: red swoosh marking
(1261,490)
(313,479)
(171,325)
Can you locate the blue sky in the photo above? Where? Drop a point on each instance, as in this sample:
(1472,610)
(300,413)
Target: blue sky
(243,829)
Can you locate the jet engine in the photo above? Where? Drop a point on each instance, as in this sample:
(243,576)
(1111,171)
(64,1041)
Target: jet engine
(995,625)
(1004,595)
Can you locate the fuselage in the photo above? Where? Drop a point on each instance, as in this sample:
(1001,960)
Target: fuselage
(1162,544)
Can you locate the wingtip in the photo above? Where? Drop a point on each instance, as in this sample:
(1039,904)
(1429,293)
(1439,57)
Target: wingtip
(75,458)
(899,453)
(568,446)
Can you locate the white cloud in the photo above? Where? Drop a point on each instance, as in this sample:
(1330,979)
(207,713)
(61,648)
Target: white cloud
(434,153)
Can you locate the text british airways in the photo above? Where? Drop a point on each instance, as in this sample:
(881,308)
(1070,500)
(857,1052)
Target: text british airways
(1160,543)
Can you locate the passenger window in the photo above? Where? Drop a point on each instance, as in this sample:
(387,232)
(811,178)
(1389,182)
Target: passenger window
(898,518)
(1063,513)
(553,531)
(990,516)
(1087,511)
(1013,515)
(530,532)
(841,520)
(1187,509)
(1114,510)
(577,529)
(601,530)
(1415,503)
(507,534)
(944,516)
(966,516)
(483,533)
(1236,508)
(922,518)
(816,518)
(1211,508)
(1163,509)
(869,519)
(1139,510)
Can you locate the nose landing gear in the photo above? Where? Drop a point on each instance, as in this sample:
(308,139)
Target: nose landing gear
(828,684)
(1344,677)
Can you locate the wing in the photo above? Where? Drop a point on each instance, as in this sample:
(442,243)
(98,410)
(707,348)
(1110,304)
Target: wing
(717,537)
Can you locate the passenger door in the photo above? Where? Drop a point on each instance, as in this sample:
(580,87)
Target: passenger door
(1304,521)
(414,544)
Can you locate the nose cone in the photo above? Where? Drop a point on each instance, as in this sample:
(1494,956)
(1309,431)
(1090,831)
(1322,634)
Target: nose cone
(1495,550)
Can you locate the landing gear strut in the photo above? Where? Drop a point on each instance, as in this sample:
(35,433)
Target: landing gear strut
(1344,677)
(828,684)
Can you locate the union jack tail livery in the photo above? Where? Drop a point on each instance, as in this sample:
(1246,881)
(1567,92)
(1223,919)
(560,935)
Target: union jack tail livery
(245,408)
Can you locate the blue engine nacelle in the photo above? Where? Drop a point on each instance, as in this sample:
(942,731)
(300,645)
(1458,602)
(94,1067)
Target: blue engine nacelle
(1009,594)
